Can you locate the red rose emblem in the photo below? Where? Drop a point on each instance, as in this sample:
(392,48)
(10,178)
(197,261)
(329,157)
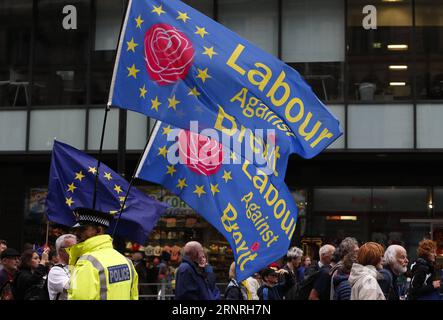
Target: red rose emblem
(200,154)
(255,246)
(168,54)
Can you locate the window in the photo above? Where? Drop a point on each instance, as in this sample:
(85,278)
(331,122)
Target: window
(61,55)
(65,125)
(254,20)
(15,47)
(429,44)
(379,50)
(313,42)
(108,18)
(381,126)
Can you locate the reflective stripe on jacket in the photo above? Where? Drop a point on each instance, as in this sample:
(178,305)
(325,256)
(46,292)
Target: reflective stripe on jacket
(100,272)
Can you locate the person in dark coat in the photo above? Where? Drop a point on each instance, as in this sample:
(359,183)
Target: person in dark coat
(29,281)
(191,282)
(9,258)
(234,290)
(292,265)
(271,288)
(424,285)
(340,280)
(395,264)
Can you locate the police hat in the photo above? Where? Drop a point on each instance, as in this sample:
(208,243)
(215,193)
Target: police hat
(86,216)
(9,253)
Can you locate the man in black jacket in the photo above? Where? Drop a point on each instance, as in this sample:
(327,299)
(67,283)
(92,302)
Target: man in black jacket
(395,264)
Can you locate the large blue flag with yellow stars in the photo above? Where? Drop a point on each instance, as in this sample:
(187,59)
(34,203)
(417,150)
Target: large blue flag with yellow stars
(175,64)
(242,202)
(71,185)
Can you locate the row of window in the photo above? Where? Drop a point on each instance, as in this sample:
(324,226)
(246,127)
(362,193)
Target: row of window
(349,51)
(380,126)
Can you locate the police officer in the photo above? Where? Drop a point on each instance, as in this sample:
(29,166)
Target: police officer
(100,272)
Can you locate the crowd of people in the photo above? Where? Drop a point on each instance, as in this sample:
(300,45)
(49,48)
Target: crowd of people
(349,271)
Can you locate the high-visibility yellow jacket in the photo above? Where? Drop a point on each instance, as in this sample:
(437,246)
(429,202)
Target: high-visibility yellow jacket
(100,272)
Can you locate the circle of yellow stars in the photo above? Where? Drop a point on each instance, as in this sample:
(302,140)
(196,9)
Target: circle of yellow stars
(202,74)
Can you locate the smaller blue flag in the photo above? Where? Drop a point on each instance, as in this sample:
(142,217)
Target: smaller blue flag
(256,216)
(71,185)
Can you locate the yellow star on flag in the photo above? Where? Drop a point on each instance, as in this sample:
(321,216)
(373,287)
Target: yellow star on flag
(201,31)
(227,175)
(142,91)
(173,102)
(181,183)
(131,45)
(107,176)
(155,103)
(233,156)
(171,170)
(166,130)
(182,16)
(209,52)
(69,201)
(199,190)
(193,92)
(139,21)
(203,74)
(133,71)
(93,170)
(121,199)
(79,176)
(214,189)
(71,187)
(163,151)
(117,189)
(158,10)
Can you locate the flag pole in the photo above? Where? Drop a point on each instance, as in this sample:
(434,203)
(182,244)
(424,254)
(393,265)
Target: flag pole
(132,180)
(94,198)
(47,232)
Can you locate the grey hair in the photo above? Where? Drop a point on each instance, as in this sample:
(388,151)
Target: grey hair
(294,252)
(61,240)
(346,246)
(391,254)
(325,248)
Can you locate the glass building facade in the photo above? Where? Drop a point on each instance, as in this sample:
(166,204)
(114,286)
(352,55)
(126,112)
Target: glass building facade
(377,65)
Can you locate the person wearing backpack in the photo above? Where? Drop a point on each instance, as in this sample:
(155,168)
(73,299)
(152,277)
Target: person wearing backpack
(9,258)
(59,275)
(29,281)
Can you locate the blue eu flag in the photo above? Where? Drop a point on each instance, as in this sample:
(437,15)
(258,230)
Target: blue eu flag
(242,202)
(71,185)
(176,64)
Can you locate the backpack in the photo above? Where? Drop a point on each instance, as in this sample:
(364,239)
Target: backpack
(305,287)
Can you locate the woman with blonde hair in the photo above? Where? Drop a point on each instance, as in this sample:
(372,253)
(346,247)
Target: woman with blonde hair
(364,274)
(424,285)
